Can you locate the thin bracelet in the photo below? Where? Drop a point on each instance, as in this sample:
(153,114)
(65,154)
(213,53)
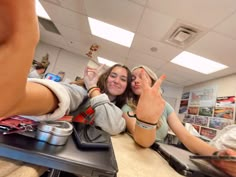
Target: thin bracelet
(145,125)
(135,116)
(91,88)
(145,121)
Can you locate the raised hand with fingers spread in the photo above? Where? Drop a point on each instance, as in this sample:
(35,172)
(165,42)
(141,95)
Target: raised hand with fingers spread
(91,76)
(150,95)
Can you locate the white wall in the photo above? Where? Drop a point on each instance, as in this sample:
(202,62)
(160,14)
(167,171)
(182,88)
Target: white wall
(61,60)
(226,86)
(173,96)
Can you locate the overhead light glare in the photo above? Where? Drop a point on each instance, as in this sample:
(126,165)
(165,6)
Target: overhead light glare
(197,63)
(106,61)
(111,32)
(40,11)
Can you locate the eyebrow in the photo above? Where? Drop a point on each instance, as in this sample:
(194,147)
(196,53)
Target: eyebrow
(124,77)
(119,75)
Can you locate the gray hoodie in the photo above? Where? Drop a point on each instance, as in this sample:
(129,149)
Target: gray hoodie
(107,115)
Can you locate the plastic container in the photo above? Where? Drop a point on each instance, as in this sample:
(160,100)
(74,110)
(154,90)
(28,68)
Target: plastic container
(56,132)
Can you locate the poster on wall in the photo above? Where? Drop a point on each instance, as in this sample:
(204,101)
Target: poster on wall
(193,110)
(188,118)
(207,132)
(225,101)
(197,127)
(203,97)
(205,111)
(219,123)
(185,96)
(183,106)
(201,120)
(224,112)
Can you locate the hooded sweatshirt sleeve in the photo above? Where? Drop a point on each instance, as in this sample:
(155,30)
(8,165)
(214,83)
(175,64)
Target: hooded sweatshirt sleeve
(69,96)
(107,115)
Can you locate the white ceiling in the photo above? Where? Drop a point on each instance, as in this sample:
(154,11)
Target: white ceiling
(152,21)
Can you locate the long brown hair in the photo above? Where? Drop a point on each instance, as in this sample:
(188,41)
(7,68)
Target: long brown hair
(120,99)
(102,84)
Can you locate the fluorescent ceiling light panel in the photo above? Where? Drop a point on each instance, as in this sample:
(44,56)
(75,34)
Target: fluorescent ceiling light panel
(105,61)
(197,63)
(110,32)
(40,11)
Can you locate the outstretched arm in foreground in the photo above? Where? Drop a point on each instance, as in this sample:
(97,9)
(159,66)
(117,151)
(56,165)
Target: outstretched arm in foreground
(198,146)
(18,39)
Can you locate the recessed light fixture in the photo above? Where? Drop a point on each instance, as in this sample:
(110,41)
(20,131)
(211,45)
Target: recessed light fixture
(111,32)
(197,63)
(106,61)
(40,11)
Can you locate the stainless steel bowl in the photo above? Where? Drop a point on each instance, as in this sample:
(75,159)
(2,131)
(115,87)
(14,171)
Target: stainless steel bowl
(56,132)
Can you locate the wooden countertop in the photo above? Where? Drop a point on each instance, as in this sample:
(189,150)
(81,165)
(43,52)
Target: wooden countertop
(135,161)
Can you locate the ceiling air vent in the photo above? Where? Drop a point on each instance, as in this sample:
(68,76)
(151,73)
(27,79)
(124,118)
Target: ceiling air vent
(182,35)
(48,25)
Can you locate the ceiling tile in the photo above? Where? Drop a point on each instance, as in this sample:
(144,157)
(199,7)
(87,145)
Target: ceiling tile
(227,27)
(77,6)
(111,51)
(67,17)
(155,25)
(74,34)
(52,38)
(205,13)
(124,14)
(164,51)
(77,47)
(139,58)
(216,47)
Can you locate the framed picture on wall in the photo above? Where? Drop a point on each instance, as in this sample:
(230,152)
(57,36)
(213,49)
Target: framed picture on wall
(224,112)
(201,120)
(183,106)
(207,132)
(219,123)
(225,101)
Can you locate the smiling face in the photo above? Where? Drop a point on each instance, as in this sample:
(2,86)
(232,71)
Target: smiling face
(136,84)
(117,81)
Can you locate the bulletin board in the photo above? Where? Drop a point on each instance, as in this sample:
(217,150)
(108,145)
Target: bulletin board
(207,113)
